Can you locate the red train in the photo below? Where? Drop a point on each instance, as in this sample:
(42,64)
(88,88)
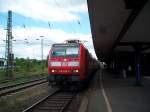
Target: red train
(70,63)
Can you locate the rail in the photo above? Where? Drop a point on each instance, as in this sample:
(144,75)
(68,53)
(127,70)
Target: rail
(58,101)
(17,87)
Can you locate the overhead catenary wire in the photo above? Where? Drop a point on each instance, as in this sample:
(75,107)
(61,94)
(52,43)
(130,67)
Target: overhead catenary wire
(15,23)
(18,41)
(49,25)
(23,25)
(20,24)
(86,17)
(78,21)
(63,14)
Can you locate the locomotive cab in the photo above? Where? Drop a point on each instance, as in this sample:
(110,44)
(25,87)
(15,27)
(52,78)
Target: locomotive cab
(64,64)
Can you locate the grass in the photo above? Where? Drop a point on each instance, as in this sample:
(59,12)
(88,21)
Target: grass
(25,70)
(21,100)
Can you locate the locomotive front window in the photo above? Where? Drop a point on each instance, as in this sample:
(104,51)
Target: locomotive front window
(58,52)
(66,51)
(72,51)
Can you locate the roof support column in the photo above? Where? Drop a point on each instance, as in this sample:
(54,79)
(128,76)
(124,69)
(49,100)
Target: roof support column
(137,65)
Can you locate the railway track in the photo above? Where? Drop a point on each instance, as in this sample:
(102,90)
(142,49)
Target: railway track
(58,101)
(17,78)
(17,87)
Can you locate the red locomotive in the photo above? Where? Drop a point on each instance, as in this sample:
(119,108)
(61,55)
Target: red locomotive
(71,63)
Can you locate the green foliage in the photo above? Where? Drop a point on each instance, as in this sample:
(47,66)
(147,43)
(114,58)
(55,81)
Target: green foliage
(27,67)
(2,74)
(30,65)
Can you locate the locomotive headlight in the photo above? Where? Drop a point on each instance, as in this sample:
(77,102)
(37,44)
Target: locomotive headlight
(76,71)
(53,70)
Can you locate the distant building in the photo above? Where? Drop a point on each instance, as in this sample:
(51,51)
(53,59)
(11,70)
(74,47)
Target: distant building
(2,63)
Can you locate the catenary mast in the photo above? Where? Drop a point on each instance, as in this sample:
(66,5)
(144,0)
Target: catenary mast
(8,52)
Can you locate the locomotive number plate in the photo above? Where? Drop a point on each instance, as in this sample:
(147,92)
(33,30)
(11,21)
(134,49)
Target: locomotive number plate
(64,63)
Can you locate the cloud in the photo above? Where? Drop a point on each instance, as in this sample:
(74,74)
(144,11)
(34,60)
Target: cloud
(46,10)
(27,41)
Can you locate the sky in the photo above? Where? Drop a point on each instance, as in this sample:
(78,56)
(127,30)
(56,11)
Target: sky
(54,21)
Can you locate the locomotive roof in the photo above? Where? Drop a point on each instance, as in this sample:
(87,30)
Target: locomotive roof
(66,45)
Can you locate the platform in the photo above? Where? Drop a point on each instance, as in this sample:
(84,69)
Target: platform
(110,94)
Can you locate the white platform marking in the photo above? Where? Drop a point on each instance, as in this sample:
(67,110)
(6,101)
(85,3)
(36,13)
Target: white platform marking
(104,94)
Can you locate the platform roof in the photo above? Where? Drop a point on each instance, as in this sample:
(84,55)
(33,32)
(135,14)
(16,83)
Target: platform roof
(119,25)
